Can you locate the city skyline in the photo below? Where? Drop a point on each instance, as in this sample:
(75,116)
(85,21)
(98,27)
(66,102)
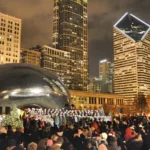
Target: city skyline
(37,23)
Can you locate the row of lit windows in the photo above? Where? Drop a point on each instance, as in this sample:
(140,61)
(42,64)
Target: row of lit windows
(9,26)
(93,100)
(10,22)
(57,52)
(8,60)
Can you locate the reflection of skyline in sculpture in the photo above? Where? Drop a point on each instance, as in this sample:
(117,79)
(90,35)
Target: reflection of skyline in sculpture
(23,84)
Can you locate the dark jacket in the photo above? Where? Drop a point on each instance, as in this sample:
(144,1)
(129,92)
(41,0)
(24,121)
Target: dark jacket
(146,142)
(78,142)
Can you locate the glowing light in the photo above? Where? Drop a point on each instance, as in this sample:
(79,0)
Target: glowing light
(104,60)
(120,19)
(13,93)
(36,90)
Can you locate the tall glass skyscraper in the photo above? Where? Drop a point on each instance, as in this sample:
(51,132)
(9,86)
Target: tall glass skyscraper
(131,57)
(70,33)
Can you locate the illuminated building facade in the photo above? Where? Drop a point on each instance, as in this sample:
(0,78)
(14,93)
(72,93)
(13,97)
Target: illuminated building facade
(70,33)
(131,57)
(91,100)
(58,62)
(94,85)
(10,35)
(106,71)
(30,57)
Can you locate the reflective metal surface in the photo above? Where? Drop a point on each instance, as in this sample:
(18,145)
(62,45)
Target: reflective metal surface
(26,85)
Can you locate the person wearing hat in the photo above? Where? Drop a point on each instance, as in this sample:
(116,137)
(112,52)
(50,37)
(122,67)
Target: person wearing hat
(103,144)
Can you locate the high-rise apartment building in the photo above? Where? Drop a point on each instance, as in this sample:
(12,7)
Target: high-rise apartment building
(70,33)
(131,57)
(106,70)
(32,57)
(10,36)
(58,62)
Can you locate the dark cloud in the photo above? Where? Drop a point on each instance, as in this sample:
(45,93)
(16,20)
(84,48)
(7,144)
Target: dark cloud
(36,17)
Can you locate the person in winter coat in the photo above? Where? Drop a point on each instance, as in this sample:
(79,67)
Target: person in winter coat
(130,133)
(78,140)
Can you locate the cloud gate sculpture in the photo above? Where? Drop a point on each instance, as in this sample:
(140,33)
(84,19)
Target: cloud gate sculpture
(25,85)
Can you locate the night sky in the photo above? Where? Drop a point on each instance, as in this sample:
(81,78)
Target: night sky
(36,18)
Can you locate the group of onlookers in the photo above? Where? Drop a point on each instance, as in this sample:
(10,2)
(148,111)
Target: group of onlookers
(123,133)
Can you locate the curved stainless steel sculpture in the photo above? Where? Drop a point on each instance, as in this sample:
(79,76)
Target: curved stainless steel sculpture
(25,85)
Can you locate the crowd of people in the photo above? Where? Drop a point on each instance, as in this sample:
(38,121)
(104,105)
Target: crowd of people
(61,116)
(125,132)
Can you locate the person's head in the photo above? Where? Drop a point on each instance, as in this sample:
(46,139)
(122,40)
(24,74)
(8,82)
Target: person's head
(60,132)
(104,136)
(42,143)
(3,130)
(85,133)
(59,141)
(89,145)
(11,144)
(113,139)
(80,131)
(49,142)
(32,146)
(92,129)
(54,138)
(71,127)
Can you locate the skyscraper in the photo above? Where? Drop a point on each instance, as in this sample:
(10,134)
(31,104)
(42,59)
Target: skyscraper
(131,57)
(70,33)
(106,75)
(10,35)
(57,62)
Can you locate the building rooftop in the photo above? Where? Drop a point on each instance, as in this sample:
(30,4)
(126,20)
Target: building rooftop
(10,17)
(132,26)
